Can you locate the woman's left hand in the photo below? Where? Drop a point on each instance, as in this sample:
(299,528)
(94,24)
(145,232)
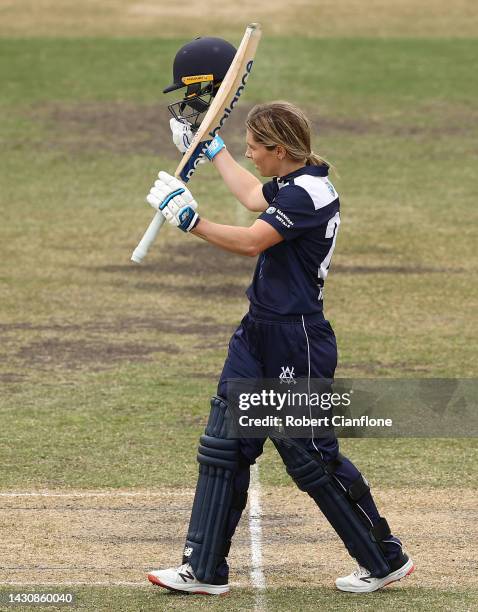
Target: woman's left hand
(175,201)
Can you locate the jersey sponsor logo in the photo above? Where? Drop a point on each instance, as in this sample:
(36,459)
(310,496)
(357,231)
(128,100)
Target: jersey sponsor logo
(271,210)
(284,219)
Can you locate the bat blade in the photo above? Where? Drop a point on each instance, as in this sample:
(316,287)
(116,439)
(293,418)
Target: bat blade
(219,111)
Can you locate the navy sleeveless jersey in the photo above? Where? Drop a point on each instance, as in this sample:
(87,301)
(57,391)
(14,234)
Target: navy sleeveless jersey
(304,209)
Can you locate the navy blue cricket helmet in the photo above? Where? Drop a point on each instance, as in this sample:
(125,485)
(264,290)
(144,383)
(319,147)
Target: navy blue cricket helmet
(203,57)
(200,66)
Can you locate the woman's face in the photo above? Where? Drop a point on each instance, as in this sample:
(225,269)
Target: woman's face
(265,160)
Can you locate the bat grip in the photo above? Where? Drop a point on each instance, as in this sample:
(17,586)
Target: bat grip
(149,237)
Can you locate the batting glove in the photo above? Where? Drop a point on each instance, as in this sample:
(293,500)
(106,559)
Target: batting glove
(175,201)
(182,134)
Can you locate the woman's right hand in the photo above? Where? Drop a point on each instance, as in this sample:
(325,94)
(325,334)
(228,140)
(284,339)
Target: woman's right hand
(182,134)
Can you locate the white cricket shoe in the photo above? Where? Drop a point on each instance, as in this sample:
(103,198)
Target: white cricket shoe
(361,581)
(183,579)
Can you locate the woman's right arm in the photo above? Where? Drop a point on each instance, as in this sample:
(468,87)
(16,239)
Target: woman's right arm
(241,183)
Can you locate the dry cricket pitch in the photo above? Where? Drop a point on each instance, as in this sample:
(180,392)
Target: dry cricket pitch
(66,537)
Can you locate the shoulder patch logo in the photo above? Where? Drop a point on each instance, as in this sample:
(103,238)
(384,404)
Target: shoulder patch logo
(331,188)
(271,210)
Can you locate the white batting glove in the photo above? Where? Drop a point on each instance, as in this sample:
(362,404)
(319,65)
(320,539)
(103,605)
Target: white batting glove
(182,134)
(175,201)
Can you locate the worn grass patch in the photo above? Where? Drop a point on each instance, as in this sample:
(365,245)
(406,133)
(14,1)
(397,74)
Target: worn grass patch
(324,19)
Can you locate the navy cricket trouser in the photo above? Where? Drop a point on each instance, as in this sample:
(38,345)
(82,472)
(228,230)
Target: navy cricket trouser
(261,347)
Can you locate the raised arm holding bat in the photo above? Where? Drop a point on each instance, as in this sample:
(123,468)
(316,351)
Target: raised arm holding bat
(215,76)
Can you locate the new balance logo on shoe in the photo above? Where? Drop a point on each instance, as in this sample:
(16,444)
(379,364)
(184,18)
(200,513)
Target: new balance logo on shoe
(186,575)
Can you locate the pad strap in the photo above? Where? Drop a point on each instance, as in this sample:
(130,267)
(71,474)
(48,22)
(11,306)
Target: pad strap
(358,489)
(381,530)
(333,466)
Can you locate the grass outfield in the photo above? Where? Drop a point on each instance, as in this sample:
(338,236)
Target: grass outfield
(123,599)
(107,368)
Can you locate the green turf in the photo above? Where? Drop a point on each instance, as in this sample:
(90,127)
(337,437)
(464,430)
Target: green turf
(304,598)
(393,73)
(124,430)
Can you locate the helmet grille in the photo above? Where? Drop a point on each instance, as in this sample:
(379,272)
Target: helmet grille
(194,105)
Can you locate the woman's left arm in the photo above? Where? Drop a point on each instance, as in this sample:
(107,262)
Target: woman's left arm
(176,202)
(249,241)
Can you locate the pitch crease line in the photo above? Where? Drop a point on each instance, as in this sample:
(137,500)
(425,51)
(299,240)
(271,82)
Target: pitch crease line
(32,584)
(255,533)
(102,494)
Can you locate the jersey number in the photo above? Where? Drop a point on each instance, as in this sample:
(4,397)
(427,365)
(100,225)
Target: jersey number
(330,232)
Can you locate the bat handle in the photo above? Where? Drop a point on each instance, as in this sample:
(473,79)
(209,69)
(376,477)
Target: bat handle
(149,237)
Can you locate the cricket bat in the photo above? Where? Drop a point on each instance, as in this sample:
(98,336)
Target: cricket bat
(221,107)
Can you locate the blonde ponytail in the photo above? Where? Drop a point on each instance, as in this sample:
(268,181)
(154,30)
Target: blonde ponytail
(315,160)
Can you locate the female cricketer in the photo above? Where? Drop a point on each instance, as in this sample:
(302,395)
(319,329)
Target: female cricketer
(294,238)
